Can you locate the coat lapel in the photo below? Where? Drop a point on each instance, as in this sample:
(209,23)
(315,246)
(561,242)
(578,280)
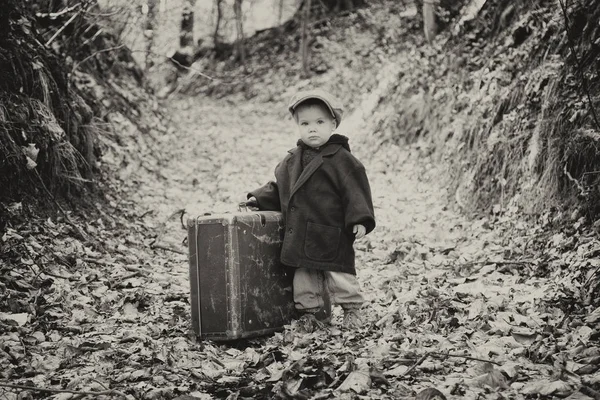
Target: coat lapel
(295,166)
(299,176)
(308,171)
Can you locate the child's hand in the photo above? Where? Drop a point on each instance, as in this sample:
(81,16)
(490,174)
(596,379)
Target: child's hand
(359,231)
(252,204)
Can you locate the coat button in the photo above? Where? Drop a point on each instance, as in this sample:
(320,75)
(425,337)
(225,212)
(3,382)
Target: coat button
(290,230)
(293,209)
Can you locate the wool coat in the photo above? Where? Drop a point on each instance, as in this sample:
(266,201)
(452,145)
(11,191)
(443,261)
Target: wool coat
(320,205)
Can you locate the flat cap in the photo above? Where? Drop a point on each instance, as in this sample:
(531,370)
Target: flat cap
(334,105)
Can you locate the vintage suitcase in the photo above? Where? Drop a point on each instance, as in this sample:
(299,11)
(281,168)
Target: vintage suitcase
(239,289)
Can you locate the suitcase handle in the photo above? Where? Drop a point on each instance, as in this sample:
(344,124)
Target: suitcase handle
(243,207)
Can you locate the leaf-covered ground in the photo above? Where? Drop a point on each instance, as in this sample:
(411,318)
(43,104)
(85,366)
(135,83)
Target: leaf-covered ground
(445,293)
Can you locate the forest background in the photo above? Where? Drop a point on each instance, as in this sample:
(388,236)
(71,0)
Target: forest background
(494,153)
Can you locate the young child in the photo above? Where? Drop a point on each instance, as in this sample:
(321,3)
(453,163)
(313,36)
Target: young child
(323,193)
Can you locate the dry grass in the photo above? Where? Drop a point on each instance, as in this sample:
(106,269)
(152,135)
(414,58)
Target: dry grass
(38,109)
(525,135)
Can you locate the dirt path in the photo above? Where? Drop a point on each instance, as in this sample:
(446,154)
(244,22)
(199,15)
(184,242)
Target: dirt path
(426,271)
(120,318)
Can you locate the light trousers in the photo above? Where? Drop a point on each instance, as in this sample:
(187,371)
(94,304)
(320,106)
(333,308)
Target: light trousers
(311,284)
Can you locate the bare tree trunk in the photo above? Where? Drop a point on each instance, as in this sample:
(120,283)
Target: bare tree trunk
(342,5)
(280,17)
(305,38)
(186,36)
(429,23)
(241,51)
(216,39)
(149,32)
(348,5)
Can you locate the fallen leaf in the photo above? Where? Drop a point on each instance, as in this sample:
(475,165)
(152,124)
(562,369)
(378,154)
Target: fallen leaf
(212,370)
(378,377)
(276,370)
(593,317)
(262,375)
(579,396)
(396,371)
(46,363)
(11,234)
(158,394)
(477,308)
(292,386)
(358,382)
(582,335)
(31,151)
(198,396)
(130,311)
(546,387)
(228,379)
(232,364)
(30,164)
(511,369)
(20,318)
(430,394)
(63,396)
(382,349)
(524,337)
(251,356)
(590,360)
(140,373)
(586,369)
(494,379)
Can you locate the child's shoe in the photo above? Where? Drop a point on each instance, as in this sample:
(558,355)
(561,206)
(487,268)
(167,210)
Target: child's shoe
(308,323)
(353,318)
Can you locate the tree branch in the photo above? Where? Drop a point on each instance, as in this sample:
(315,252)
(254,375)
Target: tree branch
(415,365)
(438,354)
(94,55)
(421,359)
(57,14)
(62,28)
(111,392)
(167,247)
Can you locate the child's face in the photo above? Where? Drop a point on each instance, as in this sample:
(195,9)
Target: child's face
(315,124)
